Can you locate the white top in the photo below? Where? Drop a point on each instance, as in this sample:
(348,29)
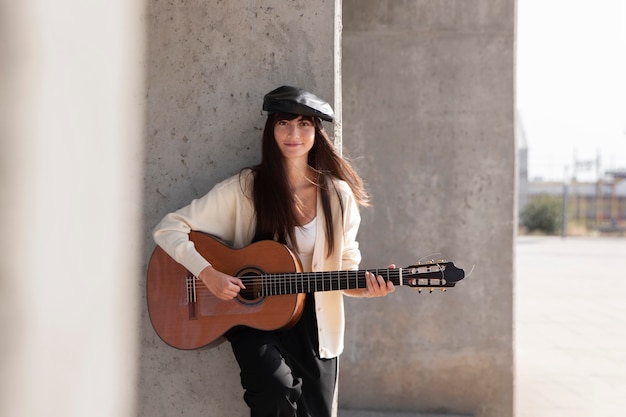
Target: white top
(305,238)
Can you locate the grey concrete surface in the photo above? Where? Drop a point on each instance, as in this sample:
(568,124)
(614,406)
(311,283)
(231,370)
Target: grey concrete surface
(570,320)
(208,65)
(428,120)
(428,114)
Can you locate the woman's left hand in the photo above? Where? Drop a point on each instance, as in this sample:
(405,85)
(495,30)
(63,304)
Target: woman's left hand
(376,286)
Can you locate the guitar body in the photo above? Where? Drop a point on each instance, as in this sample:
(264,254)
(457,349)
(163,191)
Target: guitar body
(186,315)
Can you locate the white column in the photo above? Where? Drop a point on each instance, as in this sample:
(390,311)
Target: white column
(70,186)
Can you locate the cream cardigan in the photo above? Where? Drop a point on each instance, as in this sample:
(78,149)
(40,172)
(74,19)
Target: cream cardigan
(227,212)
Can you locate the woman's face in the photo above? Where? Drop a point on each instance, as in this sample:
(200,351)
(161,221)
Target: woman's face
(295,137)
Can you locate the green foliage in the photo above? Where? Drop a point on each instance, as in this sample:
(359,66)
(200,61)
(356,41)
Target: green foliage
(542,214)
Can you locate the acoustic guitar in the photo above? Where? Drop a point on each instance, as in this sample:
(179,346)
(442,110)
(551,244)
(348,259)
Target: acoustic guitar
(186,315)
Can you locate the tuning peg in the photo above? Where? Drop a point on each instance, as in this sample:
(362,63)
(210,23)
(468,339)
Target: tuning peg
(430,290)
(443,289)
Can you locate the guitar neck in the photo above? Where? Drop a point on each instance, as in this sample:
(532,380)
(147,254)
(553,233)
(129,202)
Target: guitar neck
(309,282)
(429,275)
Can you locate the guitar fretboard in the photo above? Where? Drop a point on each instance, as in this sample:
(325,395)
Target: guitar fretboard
(309,282)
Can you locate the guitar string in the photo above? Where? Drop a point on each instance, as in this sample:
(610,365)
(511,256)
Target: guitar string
(316,276)
(277,281)
(289,278)
(289,283)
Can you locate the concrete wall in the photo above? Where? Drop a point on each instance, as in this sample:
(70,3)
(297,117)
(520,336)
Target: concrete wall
(428,110)
(428,116)
(208,66)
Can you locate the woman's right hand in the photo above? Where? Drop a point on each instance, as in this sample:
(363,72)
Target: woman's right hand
(221,285)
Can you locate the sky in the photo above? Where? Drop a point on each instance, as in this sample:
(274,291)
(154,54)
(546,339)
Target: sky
(571,86)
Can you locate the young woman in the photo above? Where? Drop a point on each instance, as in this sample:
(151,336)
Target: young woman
(305,195)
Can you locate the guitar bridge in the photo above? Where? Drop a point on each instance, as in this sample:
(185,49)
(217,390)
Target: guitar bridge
(192,296)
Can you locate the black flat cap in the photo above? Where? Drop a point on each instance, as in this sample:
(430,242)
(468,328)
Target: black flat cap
(287,99)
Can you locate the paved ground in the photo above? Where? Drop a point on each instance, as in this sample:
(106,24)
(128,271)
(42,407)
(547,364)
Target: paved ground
(570,317)
(570,329)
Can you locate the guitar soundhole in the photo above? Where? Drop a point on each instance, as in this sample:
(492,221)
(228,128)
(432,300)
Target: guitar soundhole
(251,279)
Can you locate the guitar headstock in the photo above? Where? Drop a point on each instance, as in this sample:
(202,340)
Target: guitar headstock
(431,275)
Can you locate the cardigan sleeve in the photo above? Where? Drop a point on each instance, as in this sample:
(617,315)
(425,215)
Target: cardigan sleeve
(224,212)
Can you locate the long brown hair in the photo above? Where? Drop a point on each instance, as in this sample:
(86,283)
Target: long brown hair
(274,201)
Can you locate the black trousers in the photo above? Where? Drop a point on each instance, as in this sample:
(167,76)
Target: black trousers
(281,371)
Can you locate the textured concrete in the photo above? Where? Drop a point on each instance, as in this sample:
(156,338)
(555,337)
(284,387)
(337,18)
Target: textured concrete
(428,114)
(208,65)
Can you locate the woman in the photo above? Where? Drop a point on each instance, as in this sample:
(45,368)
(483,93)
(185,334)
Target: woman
(305,195)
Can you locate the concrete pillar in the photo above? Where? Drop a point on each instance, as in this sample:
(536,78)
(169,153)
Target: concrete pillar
(429,113)
(70,179)
(208,65)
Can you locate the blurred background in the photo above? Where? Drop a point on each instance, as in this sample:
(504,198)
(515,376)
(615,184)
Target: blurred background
(571,118)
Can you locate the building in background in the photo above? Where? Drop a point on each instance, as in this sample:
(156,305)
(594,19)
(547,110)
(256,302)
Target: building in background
(592,206)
